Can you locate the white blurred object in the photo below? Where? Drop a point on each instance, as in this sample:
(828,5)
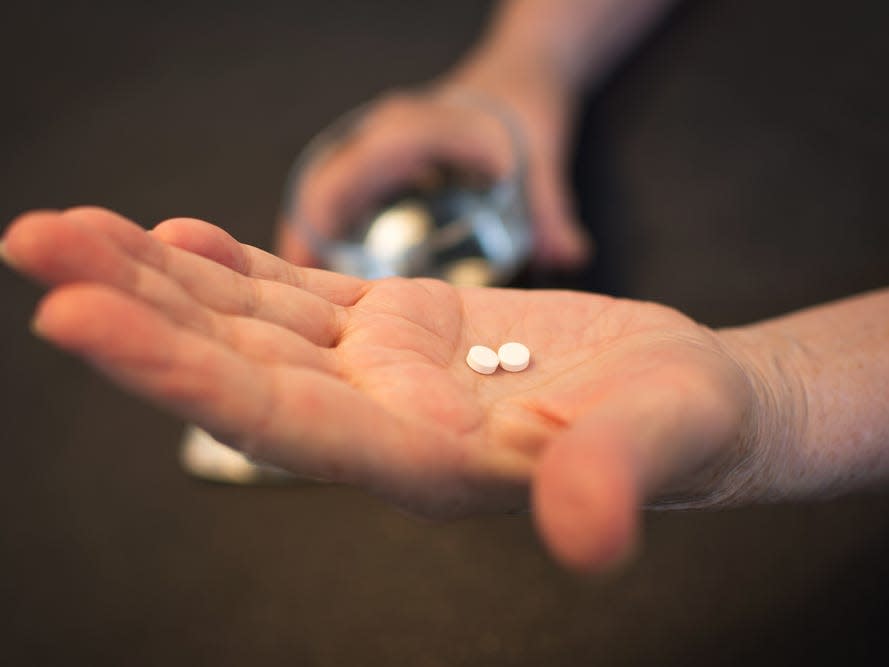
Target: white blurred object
(203,456)
(469,272)
(397,230)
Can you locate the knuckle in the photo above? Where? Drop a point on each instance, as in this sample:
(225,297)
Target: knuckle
(393,110)
(88,210)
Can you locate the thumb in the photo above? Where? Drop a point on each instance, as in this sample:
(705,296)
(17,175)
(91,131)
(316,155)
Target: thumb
(560,238)
(292,246)
(641,437)
(585,495)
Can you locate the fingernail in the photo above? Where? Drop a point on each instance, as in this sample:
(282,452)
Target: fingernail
(35,324)
(34,327)
(580,248)
(587,244)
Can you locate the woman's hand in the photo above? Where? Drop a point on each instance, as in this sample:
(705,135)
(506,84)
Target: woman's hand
(459,123)
(533,62)
(366,382)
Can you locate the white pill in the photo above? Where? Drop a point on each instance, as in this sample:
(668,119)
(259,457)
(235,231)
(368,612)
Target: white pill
(514,357)
(482,359)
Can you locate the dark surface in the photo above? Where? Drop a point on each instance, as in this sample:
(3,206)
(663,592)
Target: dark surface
(745,154)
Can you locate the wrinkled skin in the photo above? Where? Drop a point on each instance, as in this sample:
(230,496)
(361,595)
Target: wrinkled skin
(366,382)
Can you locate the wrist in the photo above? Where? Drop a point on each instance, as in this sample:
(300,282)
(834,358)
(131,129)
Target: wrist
(762,462)
(517,74)
(544,105)
(773,443)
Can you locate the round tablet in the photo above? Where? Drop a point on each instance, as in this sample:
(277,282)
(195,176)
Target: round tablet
(514,357)
(482,359)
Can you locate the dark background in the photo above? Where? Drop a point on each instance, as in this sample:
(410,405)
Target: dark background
(739,170)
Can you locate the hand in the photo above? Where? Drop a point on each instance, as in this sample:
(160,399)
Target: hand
(365,382)
(402,137)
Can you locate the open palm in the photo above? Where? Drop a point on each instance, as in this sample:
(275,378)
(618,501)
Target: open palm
(363,382)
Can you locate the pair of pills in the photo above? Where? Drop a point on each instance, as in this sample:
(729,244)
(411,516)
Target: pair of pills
(511,357)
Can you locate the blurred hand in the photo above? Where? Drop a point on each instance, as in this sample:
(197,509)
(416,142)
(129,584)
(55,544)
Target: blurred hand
(366,383)
(405,136)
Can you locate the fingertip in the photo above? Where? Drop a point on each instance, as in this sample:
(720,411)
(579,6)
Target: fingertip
(565,245)
(55,315)
(24,232)
(47,247)
(27,217)
(4,255)
(577,246)
(74,307)
(290,246)
(36,328)
(82,316)
(202,238)
(585,507)
(176,231)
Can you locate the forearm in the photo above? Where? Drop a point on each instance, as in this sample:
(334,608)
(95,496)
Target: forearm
(567,43)
(822,376)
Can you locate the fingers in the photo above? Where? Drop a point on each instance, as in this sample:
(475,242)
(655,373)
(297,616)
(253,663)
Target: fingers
(51,249)
(147,353)
(308,422)
(585,499)
(206,240)
(393,147)
(638,437)
(560,240)
(220,288)
(95,245)
(40,245)
(269,343)
(290,244)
